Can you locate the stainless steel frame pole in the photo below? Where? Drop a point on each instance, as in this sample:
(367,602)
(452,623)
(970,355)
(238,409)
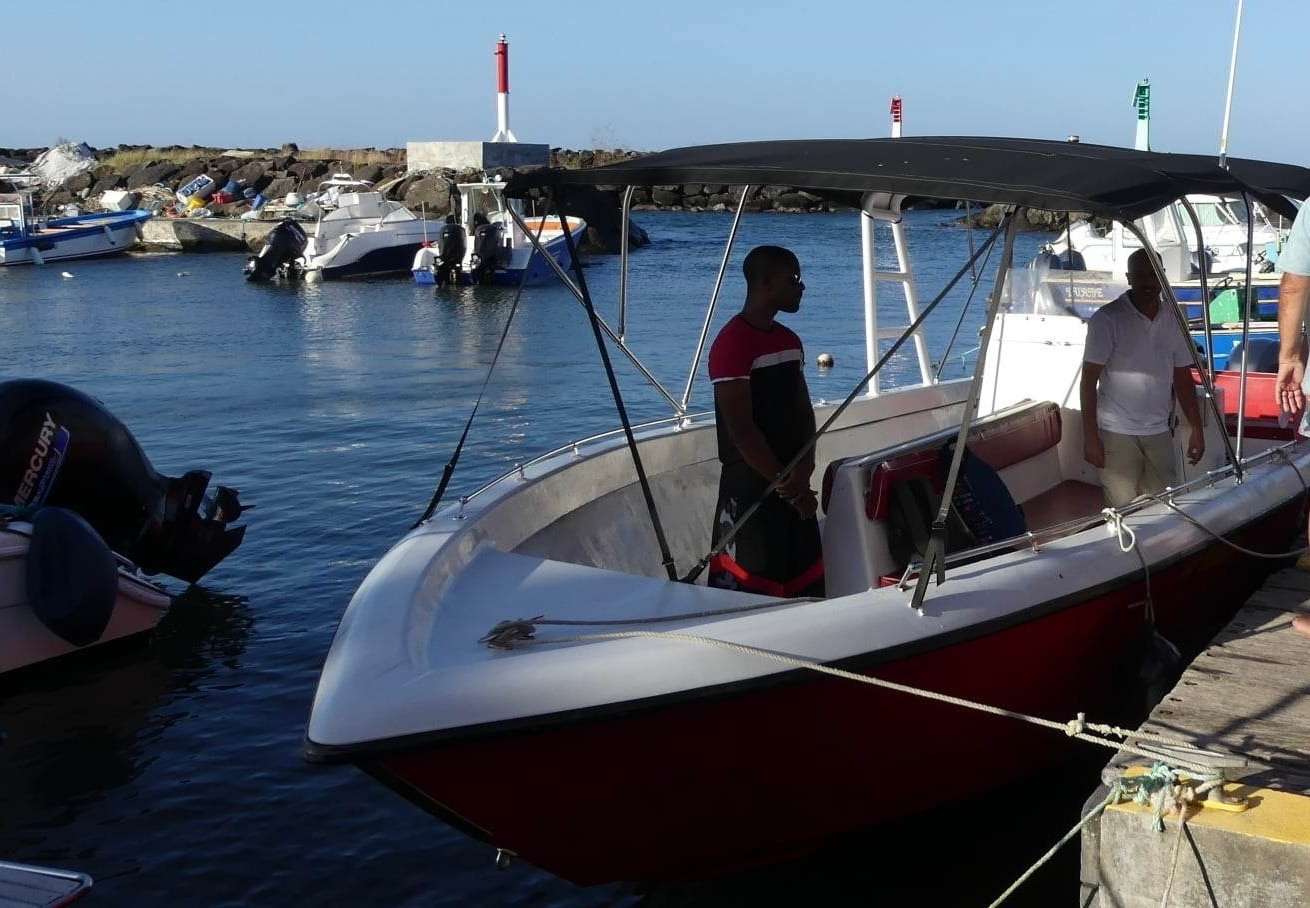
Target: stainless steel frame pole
(1204,268)
(1246,320)
(714,297)
(934,561)
(626,209)
(609,332)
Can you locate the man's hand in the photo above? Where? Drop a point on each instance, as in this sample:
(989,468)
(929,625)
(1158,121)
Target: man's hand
(794,483)
(1195,445)
(1094,450)
(1287,386)
(806,504)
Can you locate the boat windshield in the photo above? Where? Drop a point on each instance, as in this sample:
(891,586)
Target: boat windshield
(1041,289)
(1218,214)
(11,214)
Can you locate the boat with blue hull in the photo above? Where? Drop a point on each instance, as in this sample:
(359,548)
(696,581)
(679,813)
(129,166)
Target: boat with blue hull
(487,244)
(26,239)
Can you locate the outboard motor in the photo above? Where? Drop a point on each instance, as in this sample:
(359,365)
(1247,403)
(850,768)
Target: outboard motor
(285,243)
(450,252)
(486,250)
(60,448)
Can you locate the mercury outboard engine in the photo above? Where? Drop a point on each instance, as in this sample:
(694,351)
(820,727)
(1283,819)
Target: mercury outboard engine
(60,448)
(285,243)
(486,249)
(450,252)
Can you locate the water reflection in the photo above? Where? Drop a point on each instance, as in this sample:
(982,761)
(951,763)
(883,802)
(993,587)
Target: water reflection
(77,730)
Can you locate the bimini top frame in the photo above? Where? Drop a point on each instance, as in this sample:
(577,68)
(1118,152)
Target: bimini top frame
(875,175)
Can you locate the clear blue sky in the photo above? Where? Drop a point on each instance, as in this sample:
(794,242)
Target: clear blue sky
(649,75)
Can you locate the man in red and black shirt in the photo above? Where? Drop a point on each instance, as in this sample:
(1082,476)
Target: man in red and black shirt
(764,416)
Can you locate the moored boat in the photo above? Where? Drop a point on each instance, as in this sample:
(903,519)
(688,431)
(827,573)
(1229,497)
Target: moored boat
(26,239)
(496,247)
(526,665)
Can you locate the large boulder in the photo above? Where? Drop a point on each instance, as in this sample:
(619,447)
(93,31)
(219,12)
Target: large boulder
(248,174)
(279,187)
(84,180)
(192,168)
(308,170)
(108,182)
(152,173)
(432,193)
(668,197)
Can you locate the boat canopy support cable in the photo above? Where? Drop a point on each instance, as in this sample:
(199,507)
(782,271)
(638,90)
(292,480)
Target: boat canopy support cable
(732,532)
(714,296)
(449,469)
(934,561)
(666,557)
(604,326)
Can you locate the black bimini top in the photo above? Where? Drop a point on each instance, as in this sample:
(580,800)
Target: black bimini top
(1059,176)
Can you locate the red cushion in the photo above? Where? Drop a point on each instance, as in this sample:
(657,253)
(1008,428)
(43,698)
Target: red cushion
(1017,438)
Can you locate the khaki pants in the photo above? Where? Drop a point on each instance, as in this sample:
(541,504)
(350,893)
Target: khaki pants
(1137,465)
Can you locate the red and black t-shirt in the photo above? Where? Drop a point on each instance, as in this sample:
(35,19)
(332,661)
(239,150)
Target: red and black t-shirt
(772,360)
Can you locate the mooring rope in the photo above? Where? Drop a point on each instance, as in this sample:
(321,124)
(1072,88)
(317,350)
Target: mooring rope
(1078,727)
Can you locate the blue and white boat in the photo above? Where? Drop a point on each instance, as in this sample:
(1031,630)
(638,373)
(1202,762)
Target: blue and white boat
(495,248)
(26,239)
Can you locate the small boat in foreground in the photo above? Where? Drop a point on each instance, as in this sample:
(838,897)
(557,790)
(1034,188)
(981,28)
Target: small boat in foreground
(26,239)
(613,747)
(84,517)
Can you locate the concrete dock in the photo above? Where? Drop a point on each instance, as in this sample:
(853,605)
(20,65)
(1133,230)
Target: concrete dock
(204,234)
(1247,693)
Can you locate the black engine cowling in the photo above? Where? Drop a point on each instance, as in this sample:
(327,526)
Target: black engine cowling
(285,243)
(61,448)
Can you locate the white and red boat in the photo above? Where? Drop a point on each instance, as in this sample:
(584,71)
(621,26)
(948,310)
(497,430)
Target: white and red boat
(651,758)
(25,639)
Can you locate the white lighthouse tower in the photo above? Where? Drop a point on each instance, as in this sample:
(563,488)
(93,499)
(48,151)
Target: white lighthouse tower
(897,110)
(503,132)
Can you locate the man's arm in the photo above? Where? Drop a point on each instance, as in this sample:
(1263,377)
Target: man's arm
(734,402)
(1293,295)
(1185,391)
(1093,450)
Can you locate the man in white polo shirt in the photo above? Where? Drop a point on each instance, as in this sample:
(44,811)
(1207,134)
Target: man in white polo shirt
(1293,295)
(1137,359)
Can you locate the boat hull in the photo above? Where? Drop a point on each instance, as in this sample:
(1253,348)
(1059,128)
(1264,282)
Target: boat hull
(88,236)
(715,779)
(26,641)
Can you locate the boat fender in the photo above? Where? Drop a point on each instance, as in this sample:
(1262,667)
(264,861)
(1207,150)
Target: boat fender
(72,577)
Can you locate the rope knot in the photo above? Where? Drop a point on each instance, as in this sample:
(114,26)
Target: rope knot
(507,633)
(1076,726)
(1115,521)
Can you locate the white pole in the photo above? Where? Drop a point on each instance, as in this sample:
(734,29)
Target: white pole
(870,260)
(1232,76)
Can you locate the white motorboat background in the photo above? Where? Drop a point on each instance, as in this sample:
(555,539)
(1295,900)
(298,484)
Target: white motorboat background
(362,233)
(526,658)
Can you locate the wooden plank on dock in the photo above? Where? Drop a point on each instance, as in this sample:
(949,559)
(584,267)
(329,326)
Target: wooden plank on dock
(1248,693)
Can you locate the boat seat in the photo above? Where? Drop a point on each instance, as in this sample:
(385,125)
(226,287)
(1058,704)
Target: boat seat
(877,522)
(1068,501)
